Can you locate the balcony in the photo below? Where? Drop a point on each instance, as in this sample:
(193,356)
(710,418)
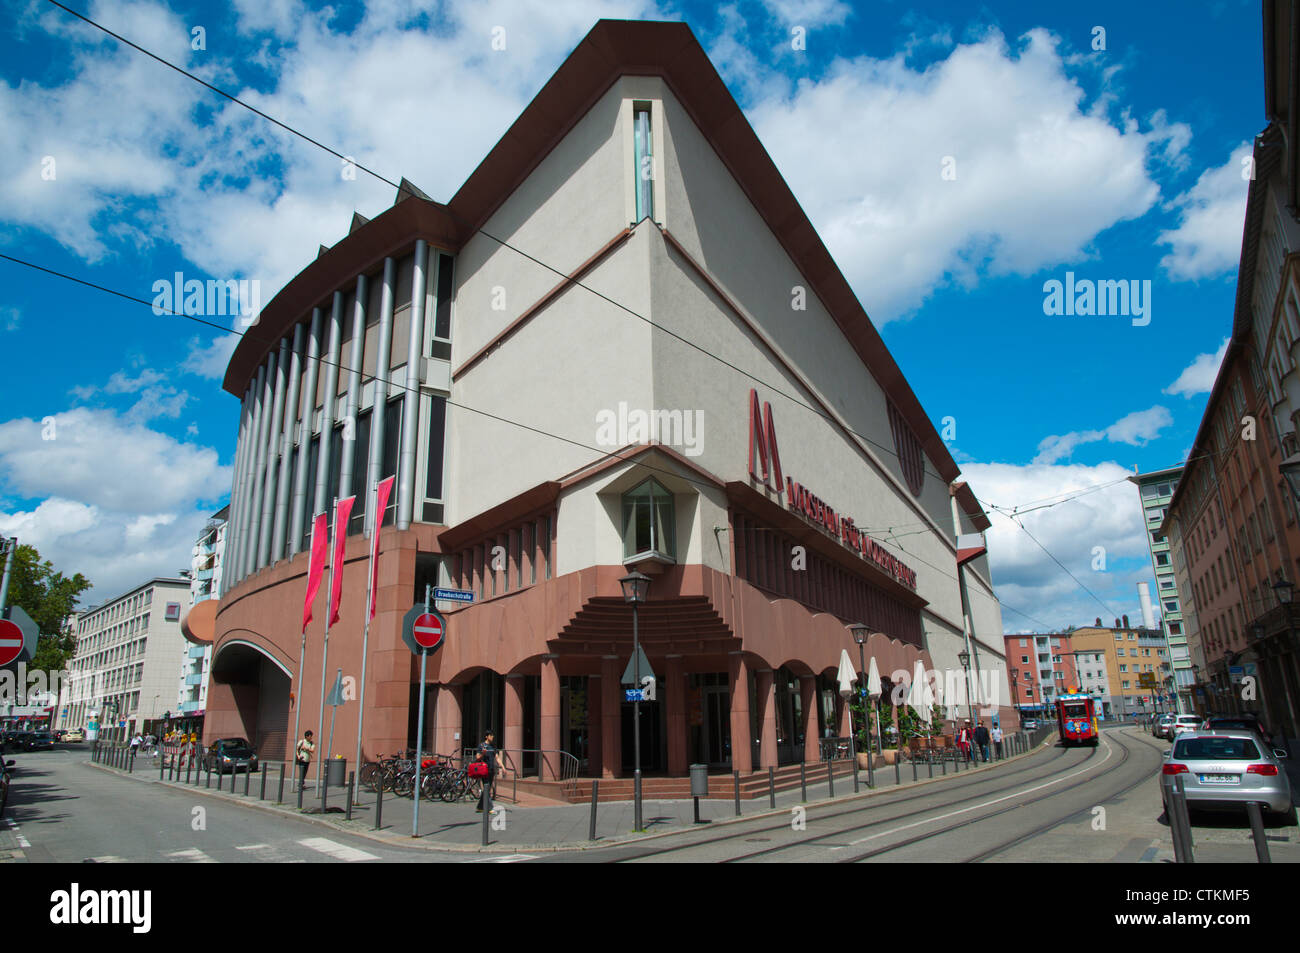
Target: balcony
(194,679)
(196,651)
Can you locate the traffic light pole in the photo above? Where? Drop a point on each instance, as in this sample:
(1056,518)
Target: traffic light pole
(10,549)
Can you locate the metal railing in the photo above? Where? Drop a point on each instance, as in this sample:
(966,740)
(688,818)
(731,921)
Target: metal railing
(835,749)
(553,762)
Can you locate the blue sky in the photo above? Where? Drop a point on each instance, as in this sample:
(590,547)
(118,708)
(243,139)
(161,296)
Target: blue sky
(1114,163)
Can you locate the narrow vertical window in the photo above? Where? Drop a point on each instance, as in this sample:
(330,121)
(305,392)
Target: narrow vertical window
(644,168)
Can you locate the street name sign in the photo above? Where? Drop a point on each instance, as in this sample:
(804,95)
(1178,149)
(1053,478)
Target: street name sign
(453,595)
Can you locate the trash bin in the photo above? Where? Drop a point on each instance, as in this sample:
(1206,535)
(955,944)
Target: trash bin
(699,780)
(336,775)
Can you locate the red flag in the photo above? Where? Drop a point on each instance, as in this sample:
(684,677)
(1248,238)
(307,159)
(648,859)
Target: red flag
(342,512)
(382,492)
(316,568)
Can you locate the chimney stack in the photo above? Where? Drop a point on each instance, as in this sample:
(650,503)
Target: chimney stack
(1144,597)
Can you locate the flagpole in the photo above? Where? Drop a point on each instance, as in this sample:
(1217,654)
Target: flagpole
(377,520)
(302,657)
(325,650)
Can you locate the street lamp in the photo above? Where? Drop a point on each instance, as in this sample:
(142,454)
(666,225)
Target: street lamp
(635,588)
(964,657)
(860,633)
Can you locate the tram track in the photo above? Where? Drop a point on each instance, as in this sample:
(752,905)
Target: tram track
(1044,828)
(1020,838)
(892,798)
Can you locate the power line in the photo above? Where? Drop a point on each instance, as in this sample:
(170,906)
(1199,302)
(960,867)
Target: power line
(505,244)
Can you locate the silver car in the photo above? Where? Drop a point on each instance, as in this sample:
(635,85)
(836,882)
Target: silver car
(1225,770)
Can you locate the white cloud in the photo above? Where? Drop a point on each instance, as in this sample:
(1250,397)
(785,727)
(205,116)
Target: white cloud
(1136,429)
(122,128)
(1207,241)
(1198,377)
(811,14)
(209,360)
(1104,524)
(864,147)
(108,461)
(10,319)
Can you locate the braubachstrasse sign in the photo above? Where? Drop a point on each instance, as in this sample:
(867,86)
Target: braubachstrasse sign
(765,457)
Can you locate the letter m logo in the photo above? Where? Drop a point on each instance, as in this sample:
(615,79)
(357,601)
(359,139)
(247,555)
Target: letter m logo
(762,445)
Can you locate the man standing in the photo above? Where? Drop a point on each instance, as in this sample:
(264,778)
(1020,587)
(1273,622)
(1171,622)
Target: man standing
(982,739)
(490,755)
(997,740)
(302,755)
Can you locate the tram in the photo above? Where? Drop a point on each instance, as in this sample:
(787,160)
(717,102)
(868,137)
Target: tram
(1076,719)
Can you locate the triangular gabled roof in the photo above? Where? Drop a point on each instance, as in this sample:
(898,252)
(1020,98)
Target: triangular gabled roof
(611,50)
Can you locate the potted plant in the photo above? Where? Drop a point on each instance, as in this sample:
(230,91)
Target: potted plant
(863,715)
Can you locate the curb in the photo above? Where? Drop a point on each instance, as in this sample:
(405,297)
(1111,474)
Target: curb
(617,841)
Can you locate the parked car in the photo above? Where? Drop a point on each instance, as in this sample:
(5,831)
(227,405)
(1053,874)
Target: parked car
(1029,724)
(73,735)
(1183,724)
(1225,770)
(40,741)
(1164,727)
(230,754)
(1242,722)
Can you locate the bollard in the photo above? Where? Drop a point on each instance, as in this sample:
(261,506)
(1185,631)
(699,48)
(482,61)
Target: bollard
(1257,832)
(189,763)
(234,776)
(351,781)
(771,787)
(162,767)
(262,795)
(131,766)
(302,786)
(279,794)
(931,761)
(248,776)
(871,770)
(736,779)
(487,815)
(830,777)
(325,787)
(898,771)
(913,769)
(803,781)
(855,774)
(1184,820)
(379,802)
(207,783)
(595,797)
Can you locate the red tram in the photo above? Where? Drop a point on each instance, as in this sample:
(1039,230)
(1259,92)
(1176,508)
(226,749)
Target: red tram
(1076,719)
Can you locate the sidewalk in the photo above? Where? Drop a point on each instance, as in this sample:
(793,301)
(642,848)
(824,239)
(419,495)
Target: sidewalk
(536,828)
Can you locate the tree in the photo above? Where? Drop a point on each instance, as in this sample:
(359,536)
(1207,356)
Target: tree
(49,597)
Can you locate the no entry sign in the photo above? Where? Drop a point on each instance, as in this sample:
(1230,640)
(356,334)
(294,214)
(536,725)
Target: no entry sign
(423,630)
(427,631)
(11,641)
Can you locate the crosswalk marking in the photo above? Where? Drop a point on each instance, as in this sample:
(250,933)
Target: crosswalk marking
(191,855)
(271,855)
(504,859)
(253,847)
(109,859)
(336,850)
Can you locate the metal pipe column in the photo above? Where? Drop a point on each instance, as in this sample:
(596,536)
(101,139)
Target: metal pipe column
(307,416)
(248,533)
(237,490)
(274,426)
(379,407)
(322,492)
(411,400)
(354,391)
(286,446)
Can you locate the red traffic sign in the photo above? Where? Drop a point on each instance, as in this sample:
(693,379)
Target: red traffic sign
(11,641)
(427,631)
(424,631)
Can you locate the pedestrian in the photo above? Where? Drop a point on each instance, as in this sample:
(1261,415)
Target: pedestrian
(135,743)
(997,741)
(302,755)
(963,741)
(982,739)
(490,755)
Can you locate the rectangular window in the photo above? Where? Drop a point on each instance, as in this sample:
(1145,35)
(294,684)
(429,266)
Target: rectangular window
(643,167)
(392,444)
(435,450)
(359,489)
(441,346)
(546,544)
